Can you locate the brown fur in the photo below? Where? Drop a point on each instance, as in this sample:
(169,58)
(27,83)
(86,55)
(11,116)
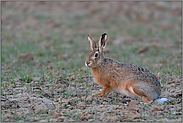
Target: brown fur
(128,79)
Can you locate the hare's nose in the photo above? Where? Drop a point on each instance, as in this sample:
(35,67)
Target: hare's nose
(87,63)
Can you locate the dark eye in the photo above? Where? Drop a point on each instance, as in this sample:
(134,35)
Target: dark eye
(96,54)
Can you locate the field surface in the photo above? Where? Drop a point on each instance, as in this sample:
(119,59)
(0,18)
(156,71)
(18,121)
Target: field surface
(44,47)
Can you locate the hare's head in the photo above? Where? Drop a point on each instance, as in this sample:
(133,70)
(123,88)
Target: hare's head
(95,55)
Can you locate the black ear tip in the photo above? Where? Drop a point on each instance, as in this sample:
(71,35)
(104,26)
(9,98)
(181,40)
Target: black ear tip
(104,34)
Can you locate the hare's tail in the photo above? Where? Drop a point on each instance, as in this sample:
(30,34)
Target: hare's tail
(161,100)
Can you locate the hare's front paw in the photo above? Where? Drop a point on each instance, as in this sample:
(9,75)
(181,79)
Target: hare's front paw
(104,92)
(98,94)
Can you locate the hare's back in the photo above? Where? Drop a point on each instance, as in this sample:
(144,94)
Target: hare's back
(139,74)
(125,71)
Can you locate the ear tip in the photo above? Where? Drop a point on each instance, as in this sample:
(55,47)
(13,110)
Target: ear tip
(104,34)
(88,36)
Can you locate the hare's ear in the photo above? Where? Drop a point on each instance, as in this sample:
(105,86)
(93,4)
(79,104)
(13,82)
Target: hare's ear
(92,42)
(102,42)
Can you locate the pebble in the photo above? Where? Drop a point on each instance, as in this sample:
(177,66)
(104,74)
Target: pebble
(56,114)
(36,79)
(82,118)
(89,98)
(81,105)
(61,119)
(90,120)
(53,120)
(89,116)
(43,121)
(33,118)
(113,119)
(41,108)
(71,120)
(133,103)
(105,103)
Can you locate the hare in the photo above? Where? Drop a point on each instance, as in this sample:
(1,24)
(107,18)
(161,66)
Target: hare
(128,79)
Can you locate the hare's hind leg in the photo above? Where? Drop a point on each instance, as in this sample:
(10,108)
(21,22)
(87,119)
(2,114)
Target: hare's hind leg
(139,93)
(104,92)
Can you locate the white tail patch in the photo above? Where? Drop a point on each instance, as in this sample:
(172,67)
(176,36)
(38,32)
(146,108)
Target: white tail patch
(161,101)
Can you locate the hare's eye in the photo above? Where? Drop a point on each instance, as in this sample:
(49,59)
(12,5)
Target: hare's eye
(96,54)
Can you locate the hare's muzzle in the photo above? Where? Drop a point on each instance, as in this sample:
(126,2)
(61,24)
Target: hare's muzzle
(87,63)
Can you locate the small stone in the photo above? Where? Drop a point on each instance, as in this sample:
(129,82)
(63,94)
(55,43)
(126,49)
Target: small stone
(163,120)
(113,119)
(105,119)
(89,116)
(20,121)
(71,120)
(56,114)
(10,88)
(71,107)
(133,103)
(43,121)
(82,118)
(33,118)
(157,108)
(41,108)
(36,79)
(105,103)
(62,100)
(10,116)
(81,105)
(17,79)
(100,106)
(60,90)
(89,98)
(90,120)
(136,116)
(53,120)
(48,93)
(73,100)
(61,119)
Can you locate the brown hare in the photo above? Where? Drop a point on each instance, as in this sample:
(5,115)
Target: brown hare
(128,79)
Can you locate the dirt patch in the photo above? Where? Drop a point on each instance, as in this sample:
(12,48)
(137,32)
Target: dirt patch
(83,105)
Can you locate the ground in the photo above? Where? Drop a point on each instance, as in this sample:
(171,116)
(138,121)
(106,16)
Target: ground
(44,47)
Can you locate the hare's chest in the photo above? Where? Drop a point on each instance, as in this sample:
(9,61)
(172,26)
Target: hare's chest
(100,78)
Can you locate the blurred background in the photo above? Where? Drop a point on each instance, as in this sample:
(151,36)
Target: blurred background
(53,35)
